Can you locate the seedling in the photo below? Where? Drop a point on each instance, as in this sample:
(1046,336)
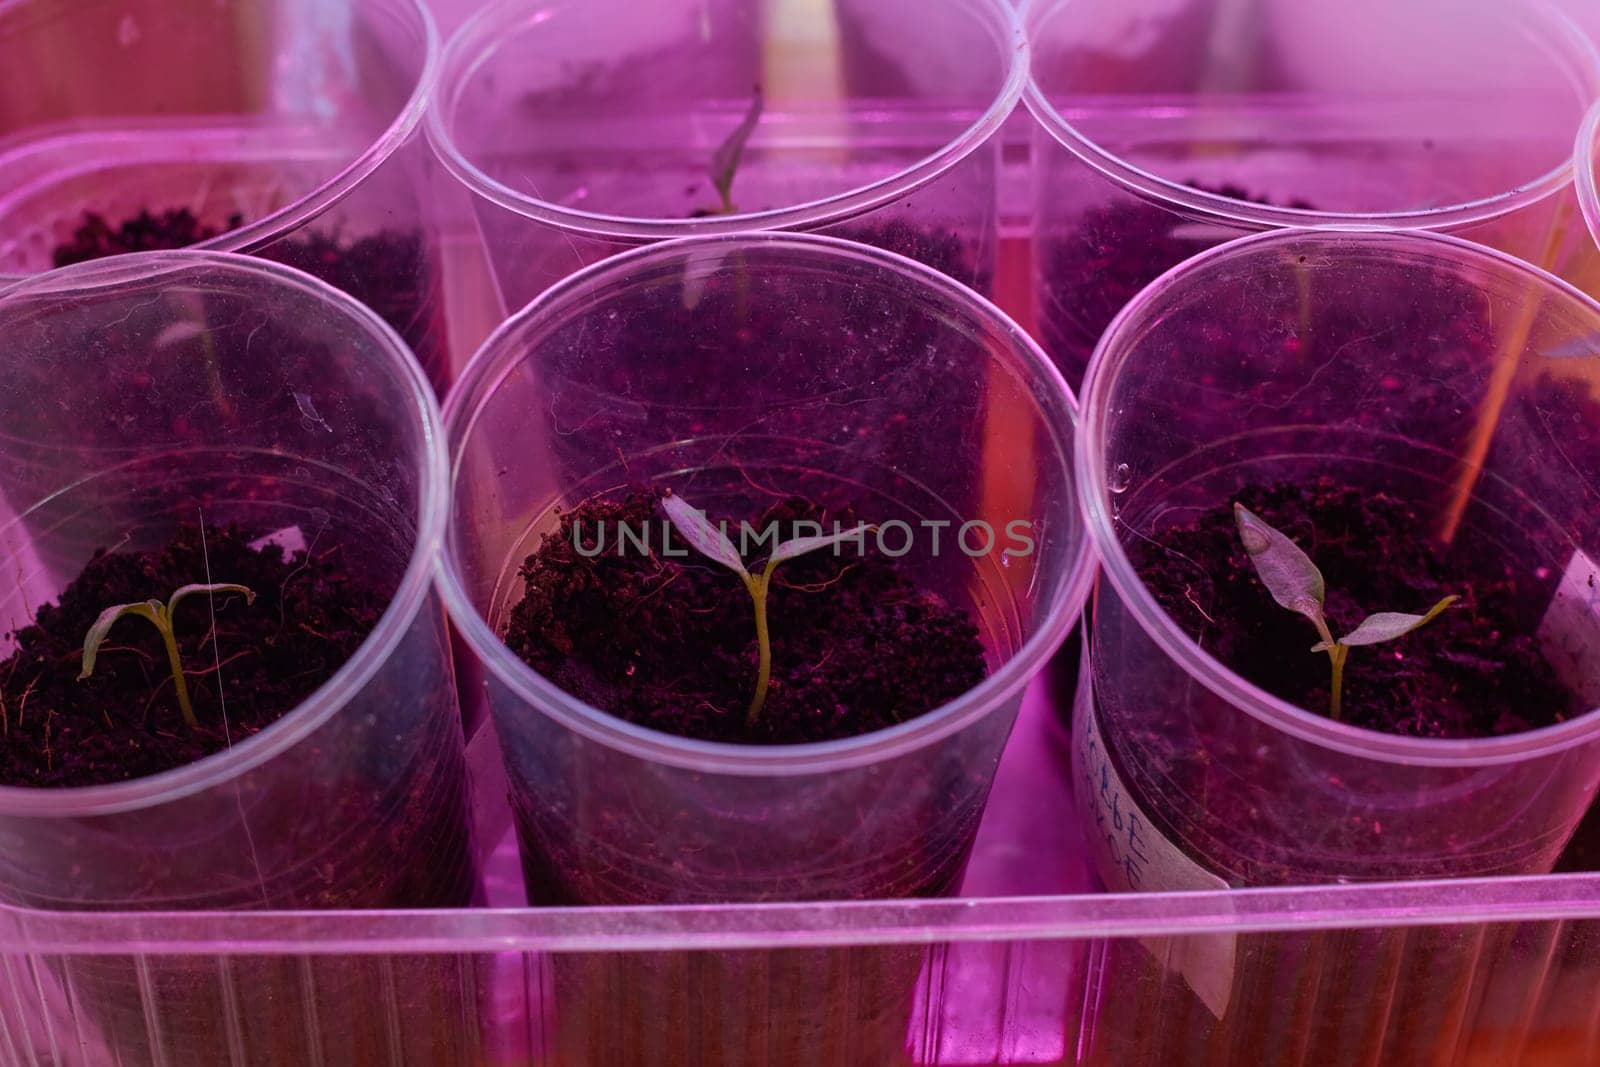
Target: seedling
(160,616)
(725,161)
(710,541)
(1295,583)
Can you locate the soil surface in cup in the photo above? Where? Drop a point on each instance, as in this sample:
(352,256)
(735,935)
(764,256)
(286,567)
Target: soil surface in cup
(669,642)
(387,271)
(691,357)
(1475,671)
(96,238)
(934,246)
(1108,257)
(246,666)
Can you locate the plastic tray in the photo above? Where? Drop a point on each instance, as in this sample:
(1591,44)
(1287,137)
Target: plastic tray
(1013,973)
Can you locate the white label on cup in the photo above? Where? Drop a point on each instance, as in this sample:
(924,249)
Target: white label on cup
(1570,633)
(1131,855)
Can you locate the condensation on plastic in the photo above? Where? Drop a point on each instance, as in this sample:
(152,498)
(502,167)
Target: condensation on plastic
(300,117)
(584,127)
(1331,106)
(158,389)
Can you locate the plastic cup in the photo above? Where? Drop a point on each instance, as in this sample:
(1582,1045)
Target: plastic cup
(286,130)
(1161,123)
(780,364)
(586,127)
(1453,377)
(1196,392)
(155,389)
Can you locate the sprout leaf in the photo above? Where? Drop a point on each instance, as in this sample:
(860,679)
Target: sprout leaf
(703,537)
(1287,572)
(160,616)
(1389,625)
(804,546)
(224,587)
(725,161)
(1295,583)
(149,609)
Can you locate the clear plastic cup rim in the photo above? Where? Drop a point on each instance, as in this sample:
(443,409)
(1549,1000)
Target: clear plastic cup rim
(262,232)
(397,618)
(1567,42)
(478,38)
(1588,157)
(478,383)
(1104,367)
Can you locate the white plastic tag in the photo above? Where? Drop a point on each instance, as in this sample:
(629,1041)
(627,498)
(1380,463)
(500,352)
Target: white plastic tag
(1570,633)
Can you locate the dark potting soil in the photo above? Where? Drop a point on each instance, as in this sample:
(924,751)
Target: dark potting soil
(1475,671)
(936,247)
(670,643)
(1112,253)
(95,238)
(1231,191)
(843,364)
(387,271)
(1422,348)
(244,673)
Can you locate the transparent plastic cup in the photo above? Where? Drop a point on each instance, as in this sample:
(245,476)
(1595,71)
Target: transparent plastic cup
(586,127)
(157,389)
(286,130)
(1452,377)
(732,369)
(1288,357)
(1166,127)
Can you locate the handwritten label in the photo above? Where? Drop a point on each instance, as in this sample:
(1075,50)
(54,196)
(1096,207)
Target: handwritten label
(1131,855)
(1122,838)
(1570,633)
